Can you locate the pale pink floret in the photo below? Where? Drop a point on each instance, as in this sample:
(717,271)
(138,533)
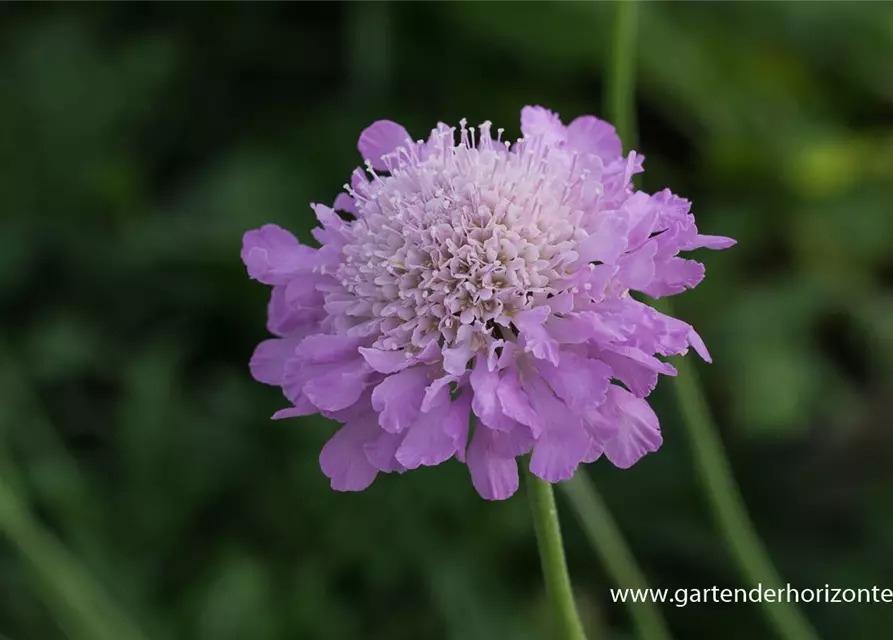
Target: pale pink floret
(478,304)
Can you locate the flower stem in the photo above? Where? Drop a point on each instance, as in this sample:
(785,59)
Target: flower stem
(551,549)
(607,540)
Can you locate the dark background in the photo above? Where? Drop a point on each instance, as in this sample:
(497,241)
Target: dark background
(139,141)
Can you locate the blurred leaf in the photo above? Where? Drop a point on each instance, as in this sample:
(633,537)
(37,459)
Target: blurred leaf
(237,603)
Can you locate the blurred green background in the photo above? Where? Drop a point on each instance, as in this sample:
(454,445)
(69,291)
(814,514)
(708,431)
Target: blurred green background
(139,141)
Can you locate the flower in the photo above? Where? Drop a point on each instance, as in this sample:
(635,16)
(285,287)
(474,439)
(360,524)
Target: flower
(472,300)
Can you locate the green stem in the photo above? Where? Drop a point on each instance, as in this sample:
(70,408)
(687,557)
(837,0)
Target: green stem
(621,87)
(607,540)
(551,549)
(729,511)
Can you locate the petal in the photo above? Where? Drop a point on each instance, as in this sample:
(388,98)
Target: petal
(360,408)
(304,292)
(600,429)
(711,242)
(398,399)
(637,268)
(437,393)
(337,389)
(596,281)
(594,452)
(485,403)
(564,441)
(343,202)
(322,348)
(380,138)
(588,134)
(494,477)
(695,341)
(570,329)
(331,233)
(455,358)
(268,361)
(458,425)
(606,241)
(298,316)
(386,361)
(642,211)
(557,455)
(661,333)
(517,441)
(674,276)
(646,360)
(343,459)
(638,379)
(281,318)
(636,369)
(638,432)
(578,328)
(515,403)
(273,256)
(580,382)
(434,436)
(304,409)
(560,303)
(536,339)
(538,121)
(380,451)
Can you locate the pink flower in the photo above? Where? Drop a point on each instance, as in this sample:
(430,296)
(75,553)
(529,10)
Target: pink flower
(486,284)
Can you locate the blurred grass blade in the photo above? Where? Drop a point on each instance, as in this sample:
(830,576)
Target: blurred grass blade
(714,470)
(606,539)
(77,500)
(621,73)
(79,605)
(716,476)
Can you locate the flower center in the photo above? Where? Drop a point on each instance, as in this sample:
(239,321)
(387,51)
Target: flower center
(462,235)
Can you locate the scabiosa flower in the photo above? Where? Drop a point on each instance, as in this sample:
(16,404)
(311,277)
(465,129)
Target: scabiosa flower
(472,300)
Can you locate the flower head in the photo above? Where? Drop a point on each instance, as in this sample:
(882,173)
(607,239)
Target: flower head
(472,300)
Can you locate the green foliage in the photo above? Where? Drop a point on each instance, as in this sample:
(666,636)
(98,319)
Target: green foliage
(137,144)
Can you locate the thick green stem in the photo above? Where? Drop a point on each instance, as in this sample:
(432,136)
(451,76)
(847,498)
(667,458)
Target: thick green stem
(607,540)
(551,549)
